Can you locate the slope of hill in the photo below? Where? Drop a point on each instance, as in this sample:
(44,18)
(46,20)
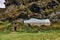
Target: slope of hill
(26,9)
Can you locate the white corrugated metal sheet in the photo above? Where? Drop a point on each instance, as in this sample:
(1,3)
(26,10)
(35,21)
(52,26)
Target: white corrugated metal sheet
(2,5)
(38,21)
(2,1)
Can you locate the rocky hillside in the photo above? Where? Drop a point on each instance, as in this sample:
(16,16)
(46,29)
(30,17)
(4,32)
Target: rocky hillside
(27,9)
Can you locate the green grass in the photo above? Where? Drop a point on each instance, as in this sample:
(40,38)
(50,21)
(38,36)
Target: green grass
(52,34)
(31,36)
